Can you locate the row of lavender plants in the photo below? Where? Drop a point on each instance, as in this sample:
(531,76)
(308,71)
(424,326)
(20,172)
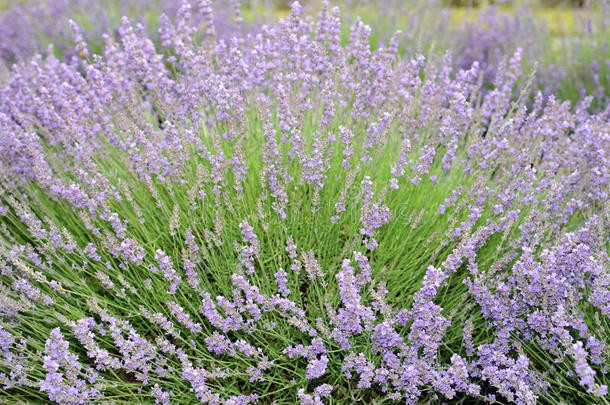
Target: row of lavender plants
(286,217)
(571,63)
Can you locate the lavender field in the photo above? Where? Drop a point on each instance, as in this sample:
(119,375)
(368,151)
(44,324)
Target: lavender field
(326,202)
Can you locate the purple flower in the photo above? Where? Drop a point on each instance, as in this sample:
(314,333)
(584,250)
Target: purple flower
(316,367)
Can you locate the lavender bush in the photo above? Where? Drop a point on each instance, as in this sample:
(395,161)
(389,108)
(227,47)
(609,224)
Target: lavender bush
(571,66)
(285,218)
(571,62)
